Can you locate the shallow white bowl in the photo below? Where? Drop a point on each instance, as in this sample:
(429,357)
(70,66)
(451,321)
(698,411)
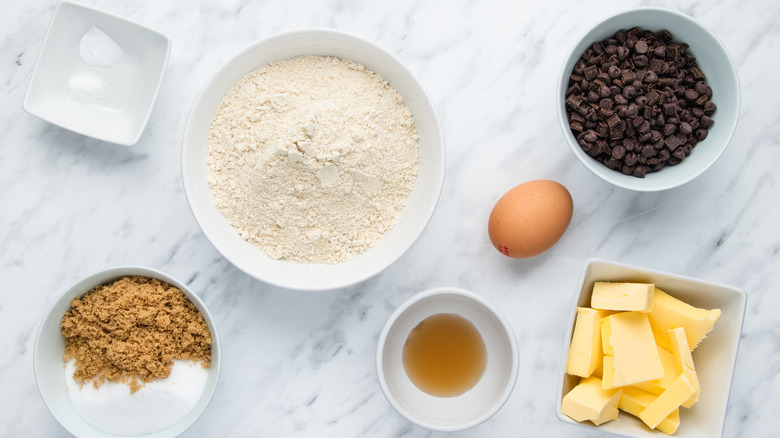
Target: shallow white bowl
(715,357)
(412,219)
(714,61)
(50,349)
(448,413)
(131,82)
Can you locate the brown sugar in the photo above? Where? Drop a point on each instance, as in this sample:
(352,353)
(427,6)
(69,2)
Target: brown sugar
(131,330)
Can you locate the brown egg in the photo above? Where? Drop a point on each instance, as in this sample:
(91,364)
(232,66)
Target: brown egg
(530,218)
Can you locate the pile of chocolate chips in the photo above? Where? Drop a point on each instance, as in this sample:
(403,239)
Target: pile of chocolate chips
(638,101)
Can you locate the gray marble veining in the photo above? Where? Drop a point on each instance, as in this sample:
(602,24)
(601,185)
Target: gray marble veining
(302,364)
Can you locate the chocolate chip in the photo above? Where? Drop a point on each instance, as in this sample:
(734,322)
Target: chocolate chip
(641,47)
(651,77)
(664,36)
(640,171)
(691,94)
(697,73)
(591,72)
(672,142)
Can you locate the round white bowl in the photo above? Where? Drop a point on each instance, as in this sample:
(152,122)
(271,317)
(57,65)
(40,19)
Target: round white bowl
(412,219)
(50,349)
(470,408)
(714,61)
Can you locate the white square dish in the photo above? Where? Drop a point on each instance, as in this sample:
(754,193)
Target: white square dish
(111,99)
(715,357)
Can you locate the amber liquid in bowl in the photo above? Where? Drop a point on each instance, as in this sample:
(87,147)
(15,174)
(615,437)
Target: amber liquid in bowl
(445,355)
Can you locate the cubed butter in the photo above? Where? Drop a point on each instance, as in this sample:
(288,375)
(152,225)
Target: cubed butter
(606,336)
(633,401)
(599,371)
(678,393)
(622,296)
(683,361)
(588,401)
(608,372)
(635,356)
(585,348)
(658,386)
(669,312)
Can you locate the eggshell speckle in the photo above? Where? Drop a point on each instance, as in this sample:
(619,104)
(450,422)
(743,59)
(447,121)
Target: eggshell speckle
(530,218)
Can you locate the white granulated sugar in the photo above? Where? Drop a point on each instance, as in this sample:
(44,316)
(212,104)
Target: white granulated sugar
(87,87)
(312,158)
(157,406)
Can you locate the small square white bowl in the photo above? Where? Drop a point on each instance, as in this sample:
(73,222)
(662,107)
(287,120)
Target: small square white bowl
(715,357)
(128,86)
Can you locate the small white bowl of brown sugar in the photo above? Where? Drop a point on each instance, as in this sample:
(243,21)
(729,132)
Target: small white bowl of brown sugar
(127,351)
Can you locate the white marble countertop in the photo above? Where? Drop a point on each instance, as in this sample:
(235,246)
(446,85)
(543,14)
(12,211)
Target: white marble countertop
(302,364)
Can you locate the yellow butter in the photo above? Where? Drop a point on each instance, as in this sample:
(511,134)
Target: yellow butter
(585,348)
(669,312)
(678,393)
(606,336)
(683,361)
(622,296)
(635,356)
(599,371)
(608,372)
(658,386)
(633,401)
(588,401)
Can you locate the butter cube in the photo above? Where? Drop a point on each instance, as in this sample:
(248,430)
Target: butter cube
(588,401)
(658,386)
(599,371)
(669,312)
(622,296)
(681,390)
(606,336)
(633,400)
(683,361)
(635,356)
(585,348)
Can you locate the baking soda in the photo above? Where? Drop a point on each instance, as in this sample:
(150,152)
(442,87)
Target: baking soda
(97,48)
(157,406)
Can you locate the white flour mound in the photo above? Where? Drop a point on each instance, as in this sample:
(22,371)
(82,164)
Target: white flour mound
(312,158)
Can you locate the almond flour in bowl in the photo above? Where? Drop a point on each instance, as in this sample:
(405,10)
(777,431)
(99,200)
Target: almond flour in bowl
(312,158)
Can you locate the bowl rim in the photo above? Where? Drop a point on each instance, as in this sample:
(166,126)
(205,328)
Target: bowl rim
(29,106)
(614,177)
(190,183)
(115,272)
(475,299)
(561,374)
